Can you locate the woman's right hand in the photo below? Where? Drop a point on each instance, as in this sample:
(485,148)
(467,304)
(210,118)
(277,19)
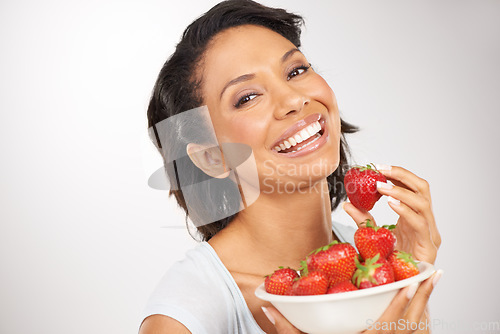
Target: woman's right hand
(406,312)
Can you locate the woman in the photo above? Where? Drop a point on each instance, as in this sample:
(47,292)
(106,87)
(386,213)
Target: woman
(242,61)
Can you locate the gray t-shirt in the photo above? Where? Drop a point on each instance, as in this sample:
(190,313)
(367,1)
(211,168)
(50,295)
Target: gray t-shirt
(200,293)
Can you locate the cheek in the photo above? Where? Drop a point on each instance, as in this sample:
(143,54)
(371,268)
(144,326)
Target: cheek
(246,130)
(323,93)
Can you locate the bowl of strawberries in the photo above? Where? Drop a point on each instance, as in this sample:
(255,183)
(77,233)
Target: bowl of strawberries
(339,289)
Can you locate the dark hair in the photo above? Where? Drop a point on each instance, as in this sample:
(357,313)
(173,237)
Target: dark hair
(177,90)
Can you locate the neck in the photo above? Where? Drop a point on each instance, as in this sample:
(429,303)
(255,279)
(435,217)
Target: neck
(277,230)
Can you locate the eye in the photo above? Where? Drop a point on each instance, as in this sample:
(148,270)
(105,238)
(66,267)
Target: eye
(245,99)
(298,71)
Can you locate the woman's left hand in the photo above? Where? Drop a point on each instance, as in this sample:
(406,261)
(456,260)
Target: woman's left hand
(410,198)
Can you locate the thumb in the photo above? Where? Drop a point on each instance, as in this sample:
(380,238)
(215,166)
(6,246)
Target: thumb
(357,215)
(282,325)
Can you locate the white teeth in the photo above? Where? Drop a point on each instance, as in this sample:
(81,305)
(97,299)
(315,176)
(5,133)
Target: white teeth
(304,134)
(300,136)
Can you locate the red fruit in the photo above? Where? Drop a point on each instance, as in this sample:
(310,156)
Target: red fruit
(336,260)
(403,265)
(281,281)
(373,272)
(343,286)
(314,283)
(361,186)
(372,240)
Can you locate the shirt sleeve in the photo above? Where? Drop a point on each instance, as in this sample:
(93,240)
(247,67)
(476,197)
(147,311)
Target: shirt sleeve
(192,292)
(180,314)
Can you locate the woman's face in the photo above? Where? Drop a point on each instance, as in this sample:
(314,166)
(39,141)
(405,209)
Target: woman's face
(261,91)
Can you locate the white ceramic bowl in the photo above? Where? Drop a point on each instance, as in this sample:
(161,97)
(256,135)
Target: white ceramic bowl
(340,313)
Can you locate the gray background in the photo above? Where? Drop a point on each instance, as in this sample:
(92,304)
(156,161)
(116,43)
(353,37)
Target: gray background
(83,239)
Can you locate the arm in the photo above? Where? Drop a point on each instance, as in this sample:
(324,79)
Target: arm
(161,324)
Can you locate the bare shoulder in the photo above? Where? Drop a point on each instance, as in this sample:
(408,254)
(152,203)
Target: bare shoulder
(161,324)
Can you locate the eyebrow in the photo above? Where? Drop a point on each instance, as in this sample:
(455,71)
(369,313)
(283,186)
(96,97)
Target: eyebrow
(288,54)
(246,77)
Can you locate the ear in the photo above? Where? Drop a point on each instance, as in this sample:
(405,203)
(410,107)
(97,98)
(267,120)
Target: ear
(209,159)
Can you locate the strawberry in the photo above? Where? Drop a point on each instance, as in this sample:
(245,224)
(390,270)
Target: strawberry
(361,186)
(403,265)
(374,271)
(336,260)
(372,240)
(343,286)
(281,281)
(314,283)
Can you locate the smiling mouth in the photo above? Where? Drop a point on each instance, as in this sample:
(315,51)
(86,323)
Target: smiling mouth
(301,139)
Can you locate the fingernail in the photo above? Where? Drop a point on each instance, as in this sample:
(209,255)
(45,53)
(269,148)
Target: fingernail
(411,290)
(393,200)
(384,185)
(437,277)
(382,167)
(268,315)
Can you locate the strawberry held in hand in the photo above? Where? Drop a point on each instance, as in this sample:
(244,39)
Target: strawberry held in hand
(373,272)
(372,240)
(361,186)
(313,283)
(403,265)
(280,282)
(336,260)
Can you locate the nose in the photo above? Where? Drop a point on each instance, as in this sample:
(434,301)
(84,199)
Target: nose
(289,101)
